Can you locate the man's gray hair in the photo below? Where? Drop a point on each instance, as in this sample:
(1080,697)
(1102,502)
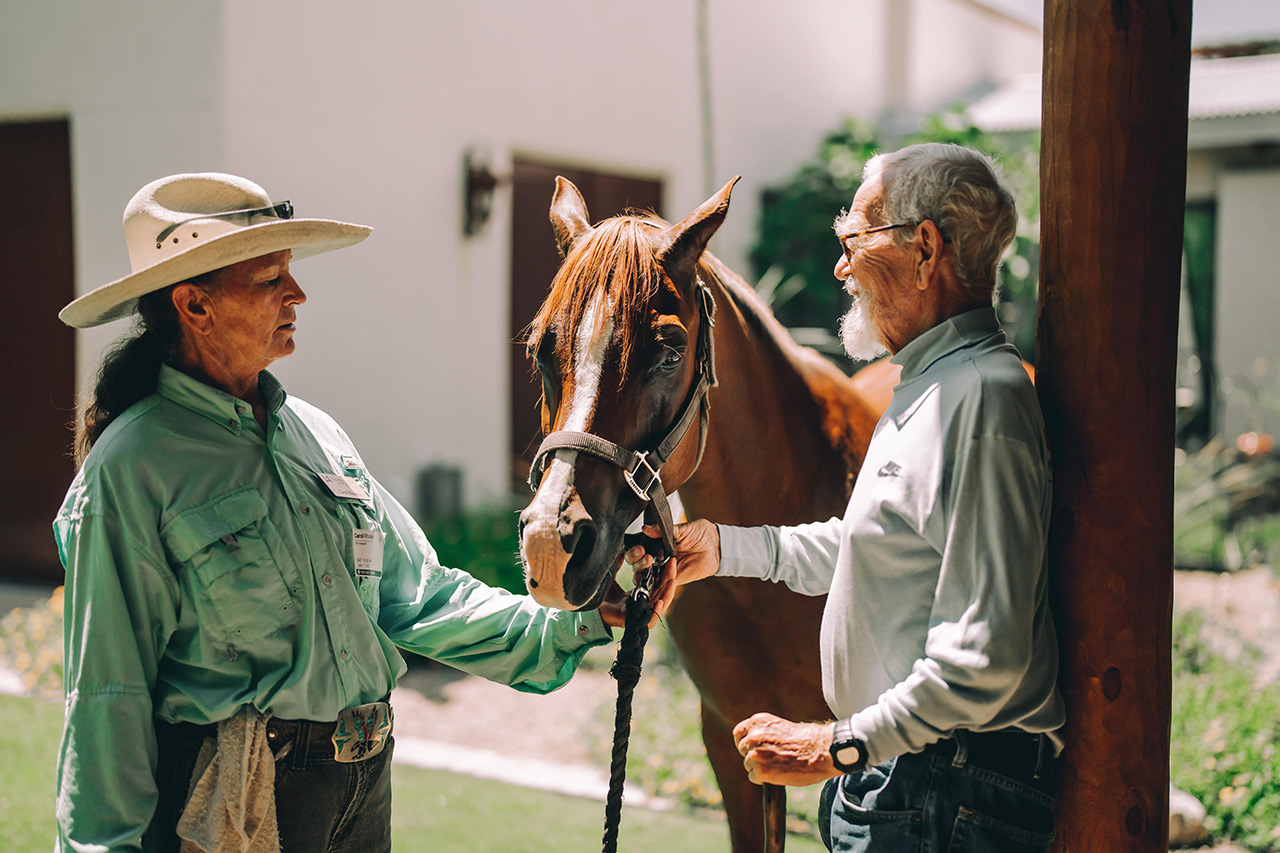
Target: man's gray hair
(965,194)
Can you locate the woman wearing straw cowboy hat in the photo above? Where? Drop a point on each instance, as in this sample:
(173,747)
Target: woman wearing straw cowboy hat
(236,580)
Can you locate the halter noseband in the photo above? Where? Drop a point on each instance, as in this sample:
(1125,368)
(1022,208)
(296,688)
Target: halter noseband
(642,468)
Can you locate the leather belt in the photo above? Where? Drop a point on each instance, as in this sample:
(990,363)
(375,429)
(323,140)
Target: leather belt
(1016,754)
(358,733)
(281,732)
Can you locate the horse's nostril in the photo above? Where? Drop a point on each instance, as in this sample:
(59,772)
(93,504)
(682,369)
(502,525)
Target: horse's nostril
(579,539)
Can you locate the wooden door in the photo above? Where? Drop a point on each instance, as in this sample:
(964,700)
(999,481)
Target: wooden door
(37,277)
(534,261)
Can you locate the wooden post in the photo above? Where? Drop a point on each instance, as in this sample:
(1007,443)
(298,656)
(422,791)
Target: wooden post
(1113,177)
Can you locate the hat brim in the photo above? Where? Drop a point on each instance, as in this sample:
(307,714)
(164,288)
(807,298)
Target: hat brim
(306,237)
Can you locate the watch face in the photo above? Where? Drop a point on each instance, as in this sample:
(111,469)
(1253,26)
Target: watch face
(848,755)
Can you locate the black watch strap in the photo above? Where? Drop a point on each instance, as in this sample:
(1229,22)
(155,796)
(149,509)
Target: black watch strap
(848,753)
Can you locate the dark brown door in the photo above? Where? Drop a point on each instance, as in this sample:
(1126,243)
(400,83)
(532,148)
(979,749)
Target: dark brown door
(534,261)
(37,277)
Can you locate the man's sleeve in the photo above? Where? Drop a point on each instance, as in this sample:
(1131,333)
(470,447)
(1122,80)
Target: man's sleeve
(449,616)
(120,608)
(803,557)
(978,647)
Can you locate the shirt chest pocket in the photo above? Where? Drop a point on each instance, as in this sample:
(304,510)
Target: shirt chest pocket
(365,567)
(233,563)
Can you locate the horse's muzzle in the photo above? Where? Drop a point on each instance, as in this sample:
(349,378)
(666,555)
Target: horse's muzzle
(557,549)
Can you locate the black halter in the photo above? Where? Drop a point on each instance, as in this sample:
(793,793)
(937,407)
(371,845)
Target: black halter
(642,468)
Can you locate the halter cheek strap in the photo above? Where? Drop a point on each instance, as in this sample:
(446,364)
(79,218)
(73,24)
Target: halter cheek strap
(642,468)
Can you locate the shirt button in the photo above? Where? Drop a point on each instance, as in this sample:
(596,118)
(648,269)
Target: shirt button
(241,410)
(327,580)
(232,422)
(306,509)
(345,655)
(583,630)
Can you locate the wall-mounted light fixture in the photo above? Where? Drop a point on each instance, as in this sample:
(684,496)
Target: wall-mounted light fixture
(479,184)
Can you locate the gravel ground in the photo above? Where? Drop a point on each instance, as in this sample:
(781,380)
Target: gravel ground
(1243,608)
(440,703)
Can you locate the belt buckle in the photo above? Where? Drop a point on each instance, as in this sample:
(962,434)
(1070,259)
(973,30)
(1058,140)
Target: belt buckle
(361,732)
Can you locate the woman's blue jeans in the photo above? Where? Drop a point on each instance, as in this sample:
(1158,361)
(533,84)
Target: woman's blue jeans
(322,805)
(932,802)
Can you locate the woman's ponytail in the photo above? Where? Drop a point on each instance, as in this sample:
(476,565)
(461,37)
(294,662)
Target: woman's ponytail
(130,370)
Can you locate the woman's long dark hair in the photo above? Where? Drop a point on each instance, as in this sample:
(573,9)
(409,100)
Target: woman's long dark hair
(130,370)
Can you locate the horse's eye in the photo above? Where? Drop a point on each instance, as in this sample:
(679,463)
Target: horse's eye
(670,359)
(539,348)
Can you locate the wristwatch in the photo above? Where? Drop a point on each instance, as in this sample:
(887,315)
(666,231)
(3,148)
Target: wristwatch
(848,753)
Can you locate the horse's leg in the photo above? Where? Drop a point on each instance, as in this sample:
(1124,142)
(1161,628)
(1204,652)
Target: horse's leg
(742,799)
(748,646)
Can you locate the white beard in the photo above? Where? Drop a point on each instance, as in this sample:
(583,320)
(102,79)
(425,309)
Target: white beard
(859,334)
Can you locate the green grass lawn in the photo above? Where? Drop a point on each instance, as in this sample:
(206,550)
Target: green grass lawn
(433,811)
(441,811)
(29,732)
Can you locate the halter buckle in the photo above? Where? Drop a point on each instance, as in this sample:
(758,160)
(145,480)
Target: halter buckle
(630,476)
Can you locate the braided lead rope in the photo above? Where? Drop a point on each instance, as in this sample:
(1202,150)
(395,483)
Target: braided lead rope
(626,671)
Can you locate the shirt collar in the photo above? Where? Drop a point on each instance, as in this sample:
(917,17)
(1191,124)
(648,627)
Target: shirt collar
(954,333)
(214,404)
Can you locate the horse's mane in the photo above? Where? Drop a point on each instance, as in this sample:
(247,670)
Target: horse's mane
(616,259)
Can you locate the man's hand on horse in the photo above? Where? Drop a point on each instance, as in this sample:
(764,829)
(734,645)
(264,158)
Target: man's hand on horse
(614,607)
(697,556)
(781,752)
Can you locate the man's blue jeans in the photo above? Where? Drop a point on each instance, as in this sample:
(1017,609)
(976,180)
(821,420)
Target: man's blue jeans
(937,801)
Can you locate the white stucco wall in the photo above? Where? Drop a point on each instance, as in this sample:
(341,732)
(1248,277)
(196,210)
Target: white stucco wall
(1248,300)
(956,47)
(364,113)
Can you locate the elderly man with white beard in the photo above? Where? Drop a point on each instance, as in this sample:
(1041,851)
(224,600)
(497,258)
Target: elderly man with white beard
(939,658)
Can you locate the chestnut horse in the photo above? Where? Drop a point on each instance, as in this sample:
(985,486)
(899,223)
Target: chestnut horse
(615,346)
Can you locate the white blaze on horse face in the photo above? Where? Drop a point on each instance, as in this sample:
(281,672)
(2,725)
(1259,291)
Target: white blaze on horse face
(589,363)
(540,545)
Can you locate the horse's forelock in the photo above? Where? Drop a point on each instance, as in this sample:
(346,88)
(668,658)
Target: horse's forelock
(616,259)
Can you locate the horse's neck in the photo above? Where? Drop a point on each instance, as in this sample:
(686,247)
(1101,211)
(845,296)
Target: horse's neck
(787,429)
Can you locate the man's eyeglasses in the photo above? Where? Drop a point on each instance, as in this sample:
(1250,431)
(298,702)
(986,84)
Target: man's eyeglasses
(850,249)
(280,210)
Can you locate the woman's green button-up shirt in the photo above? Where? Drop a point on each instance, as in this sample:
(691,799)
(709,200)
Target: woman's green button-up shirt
(209,567)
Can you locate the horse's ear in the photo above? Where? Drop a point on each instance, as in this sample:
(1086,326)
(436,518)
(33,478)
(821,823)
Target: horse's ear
(568,215)
(684,242)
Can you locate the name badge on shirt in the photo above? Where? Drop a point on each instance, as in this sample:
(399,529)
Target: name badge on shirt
(344,487)
(366,546)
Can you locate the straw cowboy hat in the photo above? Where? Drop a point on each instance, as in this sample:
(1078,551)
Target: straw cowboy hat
(181,226)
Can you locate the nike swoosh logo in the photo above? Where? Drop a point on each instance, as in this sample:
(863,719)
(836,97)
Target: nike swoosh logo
(889,469)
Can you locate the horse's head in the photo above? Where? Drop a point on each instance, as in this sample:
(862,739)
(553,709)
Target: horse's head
(616,346)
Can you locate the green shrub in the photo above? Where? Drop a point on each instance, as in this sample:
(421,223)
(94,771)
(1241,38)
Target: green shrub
(1223,747)
(484,542)
(1205,484)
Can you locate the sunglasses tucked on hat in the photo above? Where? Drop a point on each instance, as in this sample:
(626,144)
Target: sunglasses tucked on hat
(182,226)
